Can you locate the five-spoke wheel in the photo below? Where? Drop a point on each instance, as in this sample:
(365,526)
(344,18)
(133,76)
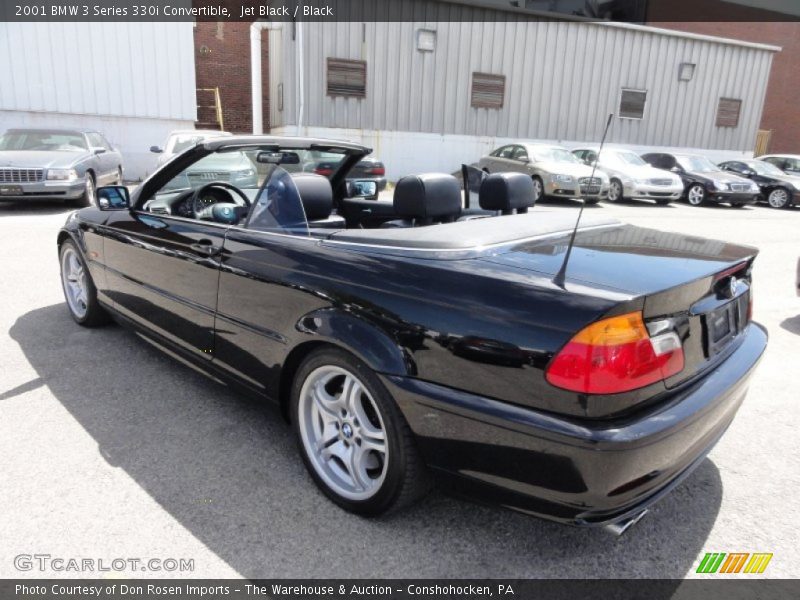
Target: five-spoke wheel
(353,439)
(79,290)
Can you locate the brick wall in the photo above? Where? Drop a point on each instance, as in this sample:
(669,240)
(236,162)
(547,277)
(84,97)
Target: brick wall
(222,59)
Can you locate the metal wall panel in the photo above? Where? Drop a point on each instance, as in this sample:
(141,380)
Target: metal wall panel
(562,78)
(116,69)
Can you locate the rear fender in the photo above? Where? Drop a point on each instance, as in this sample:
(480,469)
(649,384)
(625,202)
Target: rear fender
(365,339)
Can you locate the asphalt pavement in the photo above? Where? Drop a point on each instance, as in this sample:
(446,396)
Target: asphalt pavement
(111,450)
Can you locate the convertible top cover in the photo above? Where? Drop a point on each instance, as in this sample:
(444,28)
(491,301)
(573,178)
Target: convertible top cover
(475,233)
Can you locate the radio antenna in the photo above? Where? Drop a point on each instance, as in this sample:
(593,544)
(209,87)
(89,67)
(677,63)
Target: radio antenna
(561,276)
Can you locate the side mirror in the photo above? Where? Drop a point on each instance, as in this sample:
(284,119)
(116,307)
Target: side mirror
(525,160)
(749,173)
(156,149)
(365,189)
(98,150)
(113,197)
(676,169)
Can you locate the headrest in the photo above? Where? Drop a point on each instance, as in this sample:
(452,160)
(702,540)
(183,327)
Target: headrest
(506,192)
(426,196)
(316,195)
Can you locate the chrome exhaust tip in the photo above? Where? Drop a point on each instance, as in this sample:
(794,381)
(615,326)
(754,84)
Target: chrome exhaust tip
(623,525)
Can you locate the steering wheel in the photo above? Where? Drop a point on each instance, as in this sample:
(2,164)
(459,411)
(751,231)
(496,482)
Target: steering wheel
(202,210)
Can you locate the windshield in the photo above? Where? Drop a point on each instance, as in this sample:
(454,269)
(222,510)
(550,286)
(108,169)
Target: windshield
(765,168)
(278,207)
(696,164)
(622,158)
(553,154)
(47,141)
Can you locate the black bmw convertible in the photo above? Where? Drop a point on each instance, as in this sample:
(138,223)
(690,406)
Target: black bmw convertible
(578,379)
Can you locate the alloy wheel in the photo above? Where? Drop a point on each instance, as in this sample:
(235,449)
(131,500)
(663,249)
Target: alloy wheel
(343,433)
(73,278)
(696,195)
(778,198)
(614,191)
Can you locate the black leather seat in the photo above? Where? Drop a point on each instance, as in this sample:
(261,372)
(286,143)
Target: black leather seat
(507,192)
(426,199)
(317,197)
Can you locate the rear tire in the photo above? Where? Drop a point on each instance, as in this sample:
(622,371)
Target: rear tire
(353,439)
(696,195)
(79,290)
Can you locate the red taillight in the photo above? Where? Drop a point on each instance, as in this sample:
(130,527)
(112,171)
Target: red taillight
(376,171)
(616,355)
(326,171)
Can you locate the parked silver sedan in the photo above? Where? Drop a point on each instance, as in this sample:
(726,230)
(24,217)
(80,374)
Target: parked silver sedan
(555,170)
(631,177)
(56,164)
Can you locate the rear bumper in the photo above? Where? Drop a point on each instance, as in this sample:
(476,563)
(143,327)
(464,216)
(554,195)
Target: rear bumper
(582,472)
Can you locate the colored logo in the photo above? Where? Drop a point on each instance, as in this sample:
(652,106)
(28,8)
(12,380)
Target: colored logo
(734,562)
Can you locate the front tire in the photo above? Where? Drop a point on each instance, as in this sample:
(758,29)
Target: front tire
(89,197)
(778,198)
(615,191)
(696,195)
(354,441)
(79,290)
(538,189)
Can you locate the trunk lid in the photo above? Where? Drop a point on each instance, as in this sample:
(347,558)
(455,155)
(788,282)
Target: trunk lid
(701,285)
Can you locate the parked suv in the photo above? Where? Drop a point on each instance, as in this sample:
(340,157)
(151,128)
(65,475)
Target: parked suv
(631,177)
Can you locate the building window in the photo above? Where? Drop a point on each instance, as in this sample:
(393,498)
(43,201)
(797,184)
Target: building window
(347,77)
(488,91)
(631,104)
(728,112)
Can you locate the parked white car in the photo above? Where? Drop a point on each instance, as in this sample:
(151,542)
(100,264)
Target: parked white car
(555,170)
(631,177)
(180,140)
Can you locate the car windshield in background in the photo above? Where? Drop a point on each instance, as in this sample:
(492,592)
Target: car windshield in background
(553,154)
(765,168)
(237,167)
(696,164)
(623,158)
(278,207)
(43,141)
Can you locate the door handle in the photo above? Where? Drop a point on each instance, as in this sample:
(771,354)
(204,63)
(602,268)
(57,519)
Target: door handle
(206,247)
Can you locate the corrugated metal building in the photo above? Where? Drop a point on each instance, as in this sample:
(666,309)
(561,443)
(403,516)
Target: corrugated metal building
(132,81)
(557,81)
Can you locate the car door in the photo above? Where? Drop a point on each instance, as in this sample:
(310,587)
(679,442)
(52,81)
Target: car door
(521,160)
(503,160)
(162,272)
